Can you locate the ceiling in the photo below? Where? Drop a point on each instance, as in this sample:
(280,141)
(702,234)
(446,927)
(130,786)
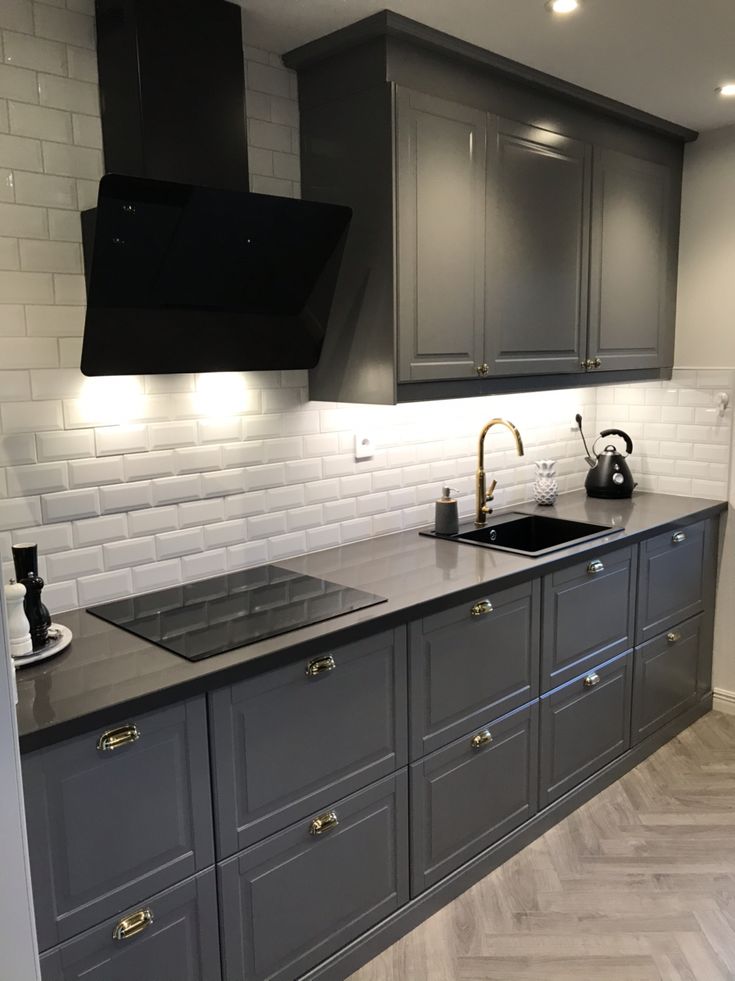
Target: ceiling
(663,56)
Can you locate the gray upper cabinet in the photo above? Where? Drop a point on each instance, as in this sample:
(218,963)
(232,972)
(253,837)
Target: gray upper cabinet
(441,228)
(117,815)
(538,226)
(634,259)
(509,232)
(292,739)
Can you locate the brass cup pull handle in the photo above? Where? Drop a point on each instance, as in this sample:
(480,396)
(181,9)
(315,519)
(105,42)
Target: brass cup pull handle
(594,567)
(591,680)
(131,926)
(678,537)
(116,738)
(483,738)
(320,665)
(481,609)
(673,637)
(323,823)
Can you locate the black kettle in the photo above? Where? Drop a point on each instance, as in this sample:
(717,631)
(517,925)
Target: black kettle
(610,474)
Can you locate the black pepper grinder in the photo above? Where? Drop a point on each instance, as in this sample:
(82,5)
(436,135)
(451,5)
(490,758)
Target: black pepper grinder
(25,559)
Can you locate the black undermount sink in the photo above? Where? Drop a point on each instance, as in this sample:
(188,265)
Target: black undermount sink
(530,534)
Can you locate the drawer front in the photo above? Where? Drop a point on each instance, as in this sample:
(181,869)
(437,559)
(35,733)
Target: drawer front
(171,937)
(665,676)
(472,663)
(289,902)
(291,740)
(676,578)
(468,795)
(584,725)
(588,612)
(108,827)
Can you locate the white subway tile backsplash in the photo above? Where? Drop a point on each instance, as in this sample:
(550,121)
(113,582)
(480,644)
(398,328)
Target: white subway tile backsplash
(30,417)
(17,15)
(167,435)
(63,25)
(95,472)
(225,533)
(49,538)
(157,575)
(198,458)
(203,565)
(82,64)
(283,546)
(195,513)
(171,490)
(61,596)
(45,190)
(121,439)
(153,521)
(126,497)
(23,221)
(172,544)
(55,383)
(222,483)
(15,386)
(266,525)
(97,531)
(247,554)
(143,466)
(21,153)
(19,512)
(65,445)
(70,505)
(106,586)
(73,564)
(38,478)
(26,287)
(33,52)
(68,93)
(243,505)
(122,555)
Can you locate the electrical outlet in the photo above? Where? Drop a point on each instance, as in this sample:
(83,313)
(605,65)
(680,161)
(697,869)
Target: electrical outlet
(364,449)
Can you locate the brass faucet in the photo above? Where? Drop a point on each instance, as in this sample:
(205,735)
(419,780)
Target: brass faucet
(485,496)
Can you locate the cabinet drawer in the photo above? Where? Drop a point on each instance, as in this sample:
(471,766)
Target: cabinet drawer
(676,578)
(291,740)
(171,937)
(289,902)
(588,612)
(108,827)
(472,663)
(468,795)
(584,725)
(665,676)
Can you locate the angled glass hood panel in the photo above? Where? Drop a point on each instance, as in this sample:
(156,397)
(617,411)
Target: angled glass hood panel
(185,278)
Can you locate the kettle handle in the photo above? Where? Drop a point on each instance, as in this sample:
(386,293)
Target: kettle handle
(625,436)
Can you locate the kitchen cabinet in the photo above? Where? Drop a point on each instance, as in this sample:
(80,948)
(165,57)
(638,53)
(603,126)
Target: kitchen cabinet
(441,215)
(584,725)
(170,937)
(510,232)
(359,787)
(633,262)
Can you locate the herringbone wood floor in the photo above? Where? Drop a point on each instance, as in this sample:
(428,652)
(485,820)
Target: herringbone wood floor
(637,885)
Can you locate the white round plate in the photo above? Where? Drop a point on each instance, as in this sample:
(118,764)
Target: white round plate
(59,640)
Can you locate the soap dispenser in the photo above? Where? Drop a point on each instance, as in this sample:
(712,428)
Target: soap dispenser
(446,513)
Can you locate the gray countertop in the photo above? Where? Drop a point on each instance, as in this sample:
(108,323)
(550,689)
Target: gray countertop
(107,673)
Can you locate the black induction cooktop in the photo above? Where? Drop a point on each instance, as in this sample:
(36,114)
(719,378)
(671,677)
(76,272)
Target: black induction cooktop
(200,619)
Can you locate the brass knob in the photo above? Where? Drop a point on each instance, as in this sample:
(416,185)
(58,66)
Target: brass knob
(115,738)
(323,823)
(482,369)
(590,363)
(132,925)
(320,665)
(591,680)
(678,537)
(482,608)
(481,739)
(596,363)
(594,567)
(673,637)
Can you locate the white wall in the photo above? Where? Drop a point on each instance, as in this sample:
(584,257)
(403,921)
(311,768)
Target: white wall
(705,332)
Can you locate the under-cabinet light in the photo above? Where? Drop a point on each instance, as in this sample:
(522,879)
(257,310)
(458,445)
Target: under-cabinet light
(562,6)
(727,89)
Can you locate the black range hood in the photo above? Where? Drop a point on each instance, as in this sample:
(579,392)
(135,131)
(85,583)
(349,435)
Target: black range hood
(186,269)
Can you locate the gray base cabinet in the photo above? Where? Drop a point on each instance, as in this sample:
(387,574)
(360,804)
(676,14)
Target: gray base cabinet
(472,663)
(666,670)
(170,937)
(117,815)
(676,578)
(589,611)
(466,796)
(293,739)
(585,724)
(289,902)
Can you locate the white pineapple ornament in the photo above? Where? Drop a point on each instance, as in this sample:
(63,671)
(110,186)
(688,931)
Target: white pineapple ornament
(546,486)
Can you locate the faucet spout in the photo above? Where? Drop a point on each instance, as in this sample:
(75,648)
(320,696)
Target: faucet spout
(484,496)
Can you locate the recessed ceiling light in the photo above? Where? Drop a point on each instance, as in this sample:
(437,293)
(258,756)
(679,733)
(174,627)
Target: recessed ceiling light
(562,6)
(727,89)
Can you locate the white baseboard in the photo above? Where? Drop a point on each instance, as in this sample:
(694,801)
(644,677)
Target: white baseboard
(724,701)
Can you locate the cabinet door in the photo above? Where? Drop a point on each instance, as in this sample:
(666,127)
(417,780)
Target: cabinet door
(676,578)
(171,937)
(633,262)
(665,677)
(588,611)
(292,900)
(474,662)
(584,725)
(537,251)
(471,793)
(441,237)
(116,815)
